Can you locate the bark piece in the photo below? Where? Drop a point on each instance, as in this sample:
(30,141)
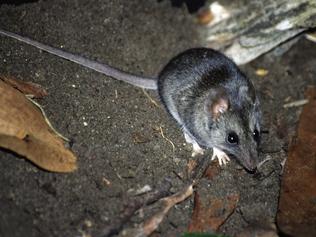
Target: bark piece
(297,205)
(255,27)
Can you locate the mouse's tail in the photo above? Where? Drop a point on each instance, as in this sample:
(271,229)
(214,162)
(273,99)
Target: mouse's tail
(147,83)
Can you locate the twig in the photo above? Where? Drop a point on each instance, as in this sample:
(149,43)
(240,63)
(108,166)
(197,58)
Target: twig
(132,206)
(167,139)
(136,203)
(151,99)
(295,103)
(153,222)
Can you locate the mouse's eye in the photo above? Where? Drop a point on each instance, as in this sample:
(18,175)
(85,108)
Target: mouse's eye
(232,138)
(256,135)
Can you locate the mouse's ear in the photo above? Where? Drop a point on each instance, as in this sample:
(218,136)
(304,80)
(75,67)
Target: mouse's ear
(247,93)
(218,102)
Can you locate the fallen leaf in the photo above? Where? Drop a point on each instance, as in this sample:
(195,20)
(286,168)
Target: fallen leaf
(23,130)
(27,88)
(261,72)
(297,204)
(211,212)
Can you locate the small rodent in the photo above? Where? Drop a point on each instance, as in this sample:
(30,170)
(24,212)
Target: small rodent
(213,102)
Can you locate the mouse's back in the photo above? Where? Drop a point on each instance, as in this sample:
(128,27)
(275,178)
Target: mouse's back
(189,76)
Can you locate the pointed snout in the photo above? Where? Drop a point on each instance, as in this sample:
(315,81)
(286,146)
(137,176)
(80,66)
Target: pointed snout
(249,160)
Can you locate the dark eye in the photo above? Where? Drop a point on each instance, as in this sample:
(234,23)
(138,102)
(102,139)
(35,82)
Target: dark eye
(256,135)
(232,138)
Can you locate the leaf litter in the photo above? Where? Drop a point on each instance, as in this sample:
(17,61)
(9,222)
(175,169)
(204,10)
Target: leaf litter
(25,131)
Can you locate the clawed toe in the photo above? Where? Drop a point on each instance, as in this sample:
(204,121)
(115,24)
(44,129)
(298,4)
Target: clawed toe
(223,159)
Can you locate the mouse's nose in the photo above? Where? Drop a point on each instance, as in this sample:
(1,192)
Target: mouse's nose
(250,165)
(253,171)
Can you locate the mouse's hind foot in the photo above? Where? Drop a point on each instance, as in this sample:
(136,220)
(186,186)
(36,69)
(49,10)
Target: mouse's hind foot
(197,150)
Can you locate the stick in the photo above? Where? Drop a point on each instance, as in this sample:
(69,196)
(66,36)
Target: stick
(153,222)
(132,206)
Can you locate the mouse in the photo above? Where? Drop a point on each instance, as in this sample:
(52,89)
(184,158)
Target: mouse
(214,103)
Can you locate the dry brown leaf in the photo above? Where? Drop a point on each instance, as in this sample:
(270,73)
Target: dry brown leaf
(23,130)
(211,212)
(297,207)
(262,72)
(27,88)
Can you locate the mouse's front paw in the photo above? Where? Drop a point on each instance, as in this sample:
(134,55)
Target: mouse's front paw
(221,156)
(197,150)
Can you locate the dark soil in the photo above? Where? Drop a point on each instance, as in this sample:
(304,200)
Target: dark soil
(121,141)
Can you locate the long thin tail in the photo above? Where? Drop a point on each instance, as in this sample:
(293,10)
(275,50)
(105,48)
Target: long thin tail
(147,83)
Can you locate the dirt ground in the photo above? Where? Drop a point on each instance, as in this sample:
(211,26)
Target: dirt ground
(121,139)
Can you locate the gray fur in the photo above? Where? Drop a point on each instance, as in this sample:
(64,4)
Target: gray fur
(195,79)
(189,86)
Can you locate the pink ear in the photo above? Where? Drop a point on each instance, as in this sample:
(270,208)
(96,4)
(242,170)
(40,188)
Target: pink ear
(219,107)
(218,102)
